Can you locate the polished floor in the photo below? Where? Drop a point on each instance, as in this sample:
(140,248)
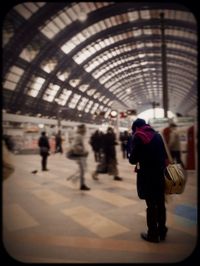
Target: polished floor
(47,219)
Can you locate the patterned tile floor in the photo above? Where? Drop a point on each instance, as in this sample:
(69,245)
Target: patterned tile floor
(48,219)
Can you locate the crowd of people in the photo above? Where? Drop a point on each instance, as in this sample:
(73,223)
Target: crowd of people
(143,148)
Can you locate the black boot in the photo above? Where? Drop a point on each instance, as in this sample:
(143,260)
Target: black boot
(163,234)
(117,178)
(84,187)
(149,238)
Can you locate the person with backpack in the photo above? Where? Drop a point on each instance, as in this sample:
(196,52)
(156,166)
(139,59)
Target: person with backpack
(147,152)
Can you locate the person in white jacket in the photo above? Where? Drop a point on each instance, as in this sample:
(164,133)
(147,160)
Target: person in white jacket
(79,148)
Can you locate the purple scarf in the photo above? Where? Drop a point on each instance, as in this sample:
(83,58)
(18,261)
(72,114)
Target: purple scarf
(146,133)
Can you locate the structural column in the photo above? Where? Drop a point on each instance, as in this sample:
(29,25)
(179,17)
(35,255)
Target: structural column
(164,66)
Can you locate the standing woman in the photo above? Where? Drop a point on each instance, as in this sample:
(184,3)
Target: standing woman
(148,153)
(43,143)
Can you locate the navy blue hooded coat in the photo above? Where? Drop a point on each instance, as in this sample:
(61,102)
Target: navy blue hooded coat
(147,151)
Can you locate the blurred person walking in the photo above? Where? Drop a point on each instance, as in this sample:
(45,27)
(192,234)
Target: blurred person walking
(80,152)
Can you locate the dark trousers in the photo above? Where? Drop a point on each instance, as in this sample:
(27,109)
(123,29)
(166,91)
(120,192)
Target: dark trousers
(44,161)
(176,155)
(97,156)
(156,216)
(59,148)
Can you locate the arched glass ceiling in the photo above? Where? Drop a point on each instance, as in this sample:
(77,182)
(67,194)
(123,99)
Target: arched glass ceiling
(85,56)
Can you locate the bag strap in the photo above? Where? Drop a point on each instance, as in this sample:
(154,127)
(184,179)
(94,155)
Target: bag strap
(167,149)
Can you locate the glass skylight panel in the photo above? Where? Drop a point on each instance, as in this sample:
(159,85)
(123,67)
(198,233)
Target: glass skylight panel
(139,45)
(26,10)
(83,87)
(8,32)
(88,106)
(35,86)
(133,15)
(68,47)
(90,92)
(47,31)
(181,47)
(74,82)
(63,75)
(137,32)
(111,89)
(104,79)
(189,17)
(106,101)
(49,66)
(108,55)
(74,100)
(40,4)
(23,11)
(82,56)
(54,28)
(117,91)
(101,98)
(110,103)
(91,30)
(99,26)
(88,32)
(13,77)
(96,28)
(51,92)
(175,65)
(181,58)
(62,19)
(71,13)
(29,53)
(97,95)
(145,14)
(107,113)
(94,108)
(58,22)
(65,18)
(98,73)
(101,107)
(64,96)
(78,9)
(147,31)
(82,103)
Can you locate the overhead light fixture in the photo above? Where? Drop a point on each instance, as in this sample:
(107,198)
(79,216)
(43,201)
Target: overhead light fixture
(82,16)
(113,113)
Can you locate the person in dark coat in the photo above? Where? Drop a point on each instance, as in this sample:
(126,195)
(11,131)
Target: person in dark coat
(149,155)
(43,143)
(110,157)
(58,142)
(96,143)
(124,137)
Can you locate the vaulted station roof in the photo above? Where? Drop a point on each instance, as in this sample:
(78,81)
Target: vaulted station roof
(83,58)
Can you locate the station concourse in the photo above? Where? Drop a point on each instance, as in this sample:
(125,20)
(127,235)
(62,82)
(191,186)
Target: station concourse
(101,64)
(49,220)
